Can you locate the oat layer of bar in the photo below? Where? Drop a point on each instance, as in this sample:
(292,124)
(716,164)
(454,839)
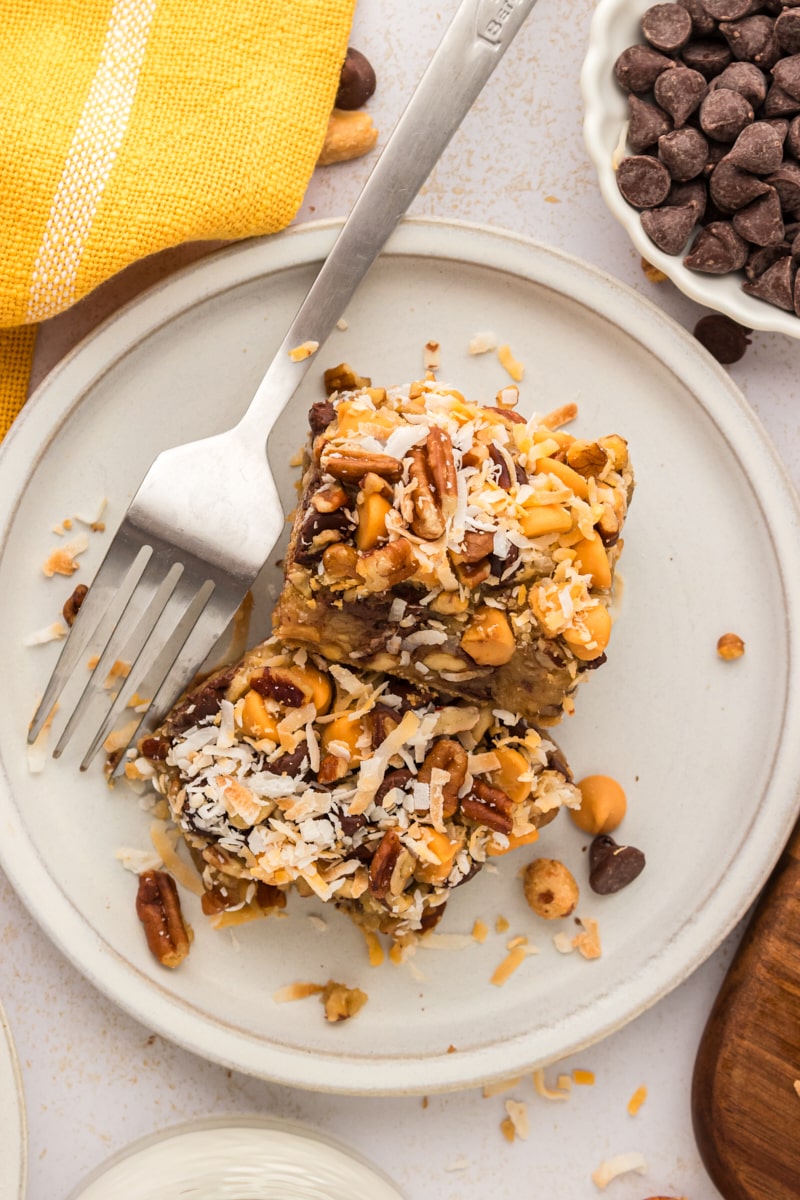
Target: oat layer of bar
(358,788)
(456,545)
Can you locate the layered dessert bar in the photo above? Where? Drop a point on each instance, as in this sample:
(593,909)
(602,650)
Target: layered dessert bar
(288,772)
(456,545)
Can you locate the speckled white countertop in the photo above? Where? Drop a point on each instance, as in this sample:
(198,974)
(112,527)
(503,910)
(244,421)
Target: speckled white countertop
(94,1079)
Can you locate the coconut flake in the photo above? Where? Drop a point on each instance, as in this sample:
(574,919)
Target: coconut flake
(480,343)
(621,1164)
(62,560)
(137,861)
(518,1116)
(54,632)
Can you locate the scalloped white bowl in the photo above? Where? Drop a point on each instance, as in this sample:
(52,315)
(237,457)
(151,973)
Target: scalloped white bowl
(615,26)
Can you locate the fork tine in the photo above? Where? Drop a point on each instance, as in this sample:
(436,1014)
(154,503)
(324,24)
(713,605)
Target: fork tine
(173,670)
(150,669)
(102,608)
(122,644)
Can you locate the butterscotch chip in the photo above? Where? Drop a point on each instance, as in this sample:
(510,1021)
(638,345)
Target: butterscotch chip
(717,249)
(776,285)
(761,222)
(679,93)
(643,181)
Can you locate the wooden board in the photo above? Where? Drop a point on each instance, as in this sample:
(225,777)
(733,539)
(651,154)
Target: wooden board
(745,1108)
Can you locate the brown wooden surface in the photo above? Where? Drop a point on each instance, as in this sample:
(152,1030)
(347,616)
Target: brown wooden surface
(745,1109)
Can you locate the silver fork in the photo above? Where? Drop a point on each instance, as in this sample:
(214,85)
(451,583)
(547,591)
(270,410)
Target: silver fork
(182,560)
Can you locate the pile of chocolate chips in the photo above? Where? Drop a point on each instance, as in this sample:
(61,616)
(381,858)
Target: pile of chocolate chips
(714,125)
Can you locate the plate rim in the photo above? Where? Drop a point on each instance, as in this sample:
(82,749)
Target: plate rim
(8,1052)
(529,260)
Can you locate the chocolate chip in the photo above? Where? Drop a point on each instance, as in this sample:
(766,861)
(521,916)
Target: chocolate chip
(793,137)
(787,31)
(706,55)
(745,78)
(779,103)
(725,339)
(786,181)
(357,81)
(668,27)
(727,10)
(291,763)
(752,40)
(717,249)
(684,153)
(761,223)
(320,416)
(643,181)
(679,92)
(775,285)
(797,295)
(646,124)
(694,193)
(731,188)
(702,23)
(762,257)
(786,74)
(611,866)
(638,67)
(276,686)
(724,114)
(669,227)
(758,149)
(394,779)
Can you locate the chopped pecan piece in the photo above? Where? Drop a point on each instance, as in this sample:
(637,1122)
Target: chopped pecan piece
(428,519)
(72,606)
(488,806)
(158,907)
(351,465)
(383,864)
(342,1002)
(386,566)
(343,379)
(476,546)
(447,755)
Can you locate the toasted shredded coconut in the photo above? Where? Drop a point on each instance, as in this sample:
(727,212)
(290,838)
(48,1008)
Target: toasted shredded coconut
(637,1100)
(458,1164)
(163,846)
(432,356)
(515,368)
(62,560)
(500,1086)
(621,1164)
(588,942)
(546,1092)
(480,343)
(374,948)
(304,350)
(37,750)
(296,991)
(95,523)
(563,942)
(513,960)
(480,931)
(583,1078)
(517,1112)
(54,632)
(137,861)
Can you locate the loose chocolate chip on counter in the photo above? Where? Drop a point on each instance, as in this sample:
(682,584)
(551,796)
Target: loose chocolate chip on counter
(643,181)
(684,153)
(745,78)
(706,55)
(724,114)
(611,866)
(732,189)
(752,40)
(786,74)
(646,124)
(357,81)
(638,67)
(669,227)
(702,23)
(725,339)
(758,149)
(775,285)
(667,27)
(761,223)
(679,93)
(717,249)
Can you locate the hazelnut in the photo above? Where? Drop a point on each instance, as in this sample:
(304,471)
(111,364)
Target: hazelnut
(550,888)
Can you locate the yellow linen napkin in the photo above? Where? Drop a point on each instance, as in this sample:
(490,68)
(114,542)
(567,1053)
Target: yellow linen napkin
(129,126)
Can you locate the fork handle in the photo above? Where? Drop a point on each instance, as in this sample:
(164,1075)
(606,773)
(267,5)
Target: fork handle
(475,41)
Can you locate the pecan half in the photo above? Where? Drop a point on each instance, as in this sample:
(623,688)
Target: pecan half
(386,566)
(447,755)
(383,864)
(158,907)
(329,498)
(442,467)
(428,519)
(489,806)
(72,606)
(351,465)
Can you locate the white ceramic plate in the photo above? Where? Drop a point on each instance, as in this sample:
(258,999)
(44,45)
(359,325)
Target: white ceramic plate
(615,26)
(13,1139)
(246,1158)
(709,752)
